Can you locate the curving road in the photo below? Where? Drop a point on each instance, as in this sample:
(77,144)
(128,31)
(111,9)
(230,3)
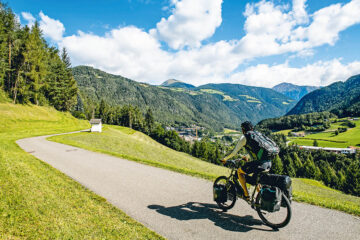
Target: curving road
(178,206)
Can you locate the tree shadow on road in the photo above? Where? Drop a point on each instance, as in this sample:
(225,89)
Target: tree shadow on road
(194,210)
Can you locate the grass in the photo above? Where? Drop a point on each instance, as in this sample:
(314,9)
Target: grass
(135,146)
(127,143)
(314,192)
(38,201)
(211,91)
(285,132)
(254,101)
(328,139)
(231,131)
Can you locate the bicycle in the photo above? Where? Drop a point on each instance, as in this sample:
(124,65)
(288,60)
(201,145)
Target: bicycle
(227,189)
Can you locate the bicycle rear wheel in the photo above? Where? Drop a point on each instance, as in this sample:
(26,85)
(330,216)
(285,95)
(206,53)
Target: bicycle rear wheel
(276,219)
(231,192)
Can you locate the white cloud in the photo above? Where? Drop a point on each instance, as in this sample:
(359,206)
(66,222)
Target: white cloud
(273,30)
(317,74)
(330,21)
(128,51)
(190,23)
(29,18)
(51,28)
(269,30)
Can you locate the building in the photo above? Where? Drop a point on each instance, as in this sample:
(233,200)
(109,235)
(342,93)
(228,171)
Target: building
(96,125)
(329,149)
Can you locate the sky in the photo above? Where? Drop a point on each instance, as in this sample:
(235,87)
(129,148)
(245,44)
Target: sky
(256,43)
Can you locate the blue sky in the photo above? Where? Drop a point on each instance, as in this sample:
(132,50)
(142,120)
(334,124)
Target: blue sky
(259,43)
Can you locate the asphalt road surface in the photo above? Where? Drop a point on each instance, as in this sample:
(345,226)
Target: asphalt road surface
(178,206)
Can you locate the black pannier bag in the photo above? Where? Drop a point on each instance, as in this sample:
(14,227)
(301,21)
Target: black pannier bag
(220,193)
(281,181)
(270,198)
(263,147)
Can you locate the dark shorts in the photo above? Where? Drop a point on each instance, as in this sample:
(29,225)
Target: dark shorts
(256,166)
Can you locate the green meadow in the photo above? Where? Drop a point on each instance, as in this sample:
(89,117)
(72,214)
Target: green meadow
(38,201)
(328,138)
(132,145)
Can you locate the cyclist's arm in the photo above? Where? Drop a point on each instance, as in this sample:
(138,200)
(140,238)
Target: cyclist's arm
(239,145)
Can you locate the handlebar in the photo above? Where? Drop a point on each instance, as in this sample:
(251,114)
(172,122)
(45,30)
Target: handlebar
(233,163)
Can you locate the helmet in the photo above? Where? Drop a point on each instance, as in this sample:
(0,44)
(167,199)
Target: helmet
(247,126)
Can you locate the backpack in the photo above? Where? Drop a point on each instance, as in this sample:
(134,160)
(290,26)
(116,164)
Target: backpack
(261,146)
(270,198)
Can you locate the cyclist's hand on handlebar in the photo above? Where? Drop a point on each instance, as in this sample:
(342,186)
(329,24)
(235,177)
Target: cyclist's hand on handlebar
(245,158)
(223,161)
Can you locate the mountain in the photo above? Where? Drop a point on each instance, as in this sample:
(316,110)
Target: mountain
(177,84)
(213,106)
(341,98)
(294,91)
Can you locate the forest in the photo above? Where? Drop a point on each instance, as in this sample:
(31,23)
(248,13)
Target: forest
(301,122)
(31,71)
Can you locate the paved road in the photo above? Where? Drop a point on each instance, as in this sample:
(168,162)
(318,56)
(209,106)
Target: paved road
(179,206)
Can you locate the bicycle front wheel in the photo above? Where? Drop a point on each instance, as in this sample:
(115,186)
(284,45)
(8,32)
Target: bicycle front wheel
(231,193)
(276,219)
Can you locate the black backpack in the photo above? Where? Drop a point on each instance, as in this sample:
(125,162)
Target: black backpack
(261,146)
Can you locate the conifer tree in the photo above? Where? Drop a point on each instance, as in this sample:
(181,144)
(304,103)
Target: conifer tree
(149,120)
(289,166)
(277,165)
(35,63)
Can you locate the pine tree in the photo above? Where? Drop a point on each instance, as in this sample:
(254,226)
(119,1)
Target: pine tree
(289,166)
(310,170)
(277,165)
(297,165)
(35,64)
(149,121)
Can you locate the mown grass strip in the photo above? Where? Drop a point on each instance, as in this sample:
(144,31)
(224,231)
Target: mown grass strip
(38,201)
(135,146)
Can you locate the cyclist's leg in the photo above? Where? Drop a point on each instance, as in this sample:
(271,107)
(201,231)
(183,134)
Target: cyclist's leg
(242,180)
(249,167)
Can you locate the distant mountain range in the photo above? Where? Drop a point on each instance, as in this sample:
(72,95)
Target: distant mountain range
(341,98)
(175,103)
(294,91)
(177,84)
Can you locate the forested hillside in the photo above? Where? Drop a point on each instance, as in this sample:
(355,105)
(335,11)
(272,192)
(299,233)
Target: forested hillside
(30,70)
(213,106)
(341,98)
(294,91)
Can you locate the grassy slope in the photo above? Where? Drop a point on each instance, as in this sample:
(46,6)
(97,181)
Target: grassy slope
(130,144)
(127,143)
(349,138)
(39,202)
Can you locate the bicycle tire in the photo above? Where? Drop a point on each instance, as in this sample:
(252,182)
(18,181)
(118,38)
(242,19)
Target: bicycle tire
(230,189)
(269,223)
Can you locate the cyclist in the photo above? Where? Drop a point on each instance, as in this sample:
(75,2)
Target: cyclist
(260,161)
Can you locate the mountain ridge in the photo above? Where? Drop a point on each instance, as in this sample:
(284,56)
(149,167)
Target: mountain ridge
(293,91)
(341,98)
(212,106)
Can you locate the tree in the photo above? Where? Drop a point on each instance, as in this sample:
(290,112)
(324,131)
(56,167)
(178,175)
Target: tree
(315,143)
(277,165)
(35,63)
(310,170)
(289,166)
(149,121)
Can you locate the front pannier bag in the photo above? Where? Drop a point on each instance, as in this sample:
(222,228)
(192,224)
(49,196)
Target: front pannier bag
(220,193)
(270,198)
